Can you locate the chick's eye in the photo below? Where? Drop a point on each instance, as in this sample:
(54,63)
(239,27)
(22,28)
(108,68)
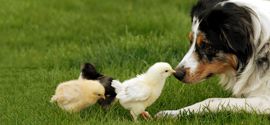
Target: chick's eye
(99,94)
(166,70)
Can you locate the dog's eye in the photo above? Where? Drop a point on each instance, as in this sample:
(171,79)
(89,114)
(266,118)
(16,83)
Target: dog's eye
(206,46)
(190,42)
(99,94)
(203,45)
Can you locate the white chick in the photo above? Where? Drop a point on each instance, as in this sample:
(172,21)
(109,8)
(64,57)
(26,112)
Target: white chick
(75,95)
(138,93)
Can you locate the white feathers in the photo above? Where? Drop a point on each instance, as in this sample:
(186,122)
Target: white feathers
(142,91)
(131,90)
(117,85)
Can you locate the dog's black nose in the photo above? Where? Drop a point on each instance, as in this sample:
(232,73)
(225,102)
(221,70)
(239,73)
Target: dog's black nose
(180,73)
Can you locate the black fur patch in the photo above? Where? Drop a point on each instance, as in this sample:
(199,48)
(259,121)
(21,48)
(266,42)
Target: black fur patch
(203,5)
(263,58)
(228,28)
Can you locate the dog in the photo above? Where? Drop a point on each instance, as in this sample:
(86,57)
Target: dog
(231,39)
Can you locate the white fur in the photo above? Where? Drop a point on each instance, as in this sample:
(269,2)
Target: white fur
(252,84)
(189,60)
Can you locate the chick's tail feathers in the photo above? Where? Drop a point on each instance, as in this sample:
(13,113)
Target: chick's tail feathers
(53,99)
(117,86)
(59,99)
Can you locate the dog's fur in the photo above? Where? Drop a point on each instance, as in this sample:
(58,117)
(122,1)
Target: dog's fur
(230,38)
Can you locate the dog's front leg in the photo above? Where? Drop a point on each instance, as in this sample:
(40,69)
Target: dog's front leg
(259,105)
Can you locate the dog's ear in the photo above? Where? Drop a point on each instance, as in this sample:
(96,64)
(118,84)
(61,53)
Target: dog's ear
(214,19)
(232,25)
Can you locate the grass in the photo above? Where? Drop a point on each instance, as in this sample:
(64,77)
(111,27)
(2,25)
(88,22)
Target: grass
(44,42)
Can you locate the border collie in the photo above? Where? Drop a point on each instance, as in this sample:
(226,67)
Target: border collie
(229,38)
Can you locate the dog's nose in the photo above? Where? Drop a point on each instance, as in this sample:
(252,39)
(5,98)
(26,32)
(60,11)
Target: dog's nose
(180,73)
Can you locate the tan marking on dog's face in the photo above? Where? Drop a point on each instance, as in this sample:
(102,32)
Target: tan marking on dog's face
(204,69)
(190,37)
(200,39)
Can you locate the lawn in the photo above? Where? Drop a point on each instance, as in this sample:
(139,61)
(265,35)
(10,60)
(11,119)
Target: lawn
(44,42)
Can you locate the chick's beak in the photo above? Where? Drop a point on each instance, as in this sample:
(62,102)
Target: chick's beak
(173,71)
(103,97)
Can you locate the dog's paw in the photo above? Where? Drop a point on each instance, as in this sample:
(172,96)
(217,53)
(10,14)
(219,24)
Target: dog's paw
(167,114)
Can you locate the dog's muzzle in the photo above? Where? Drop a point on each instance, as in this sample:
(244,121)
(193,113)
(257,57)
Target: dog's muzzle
(179,73)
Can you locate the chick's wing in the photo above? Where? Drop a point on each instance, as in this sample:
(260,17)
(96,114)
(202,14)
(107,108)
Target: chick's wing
(134,91)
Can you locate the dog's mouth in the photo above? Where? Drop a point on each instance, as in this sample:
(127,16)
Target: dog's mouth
(184,76)
(209,75)
(179,74)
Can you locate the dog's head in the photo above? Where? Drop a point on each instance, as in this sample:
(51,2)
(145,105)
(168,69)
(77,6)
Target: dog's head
(220,41)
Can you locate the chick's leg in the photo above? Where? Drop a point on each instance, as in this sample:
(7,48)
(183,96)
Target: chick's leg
(134,116)
(146,115)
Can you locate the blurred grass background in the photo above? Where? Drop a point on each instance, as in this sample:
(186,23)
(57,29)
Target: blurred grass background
(44,42)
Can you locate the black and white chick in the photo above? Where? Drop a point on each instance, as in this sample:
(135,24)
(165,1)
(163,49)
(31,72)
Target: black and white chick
(89,72)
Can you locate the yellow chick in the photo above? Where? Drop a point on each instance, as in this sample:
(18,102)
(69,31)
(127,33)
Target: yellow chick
(75,95)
